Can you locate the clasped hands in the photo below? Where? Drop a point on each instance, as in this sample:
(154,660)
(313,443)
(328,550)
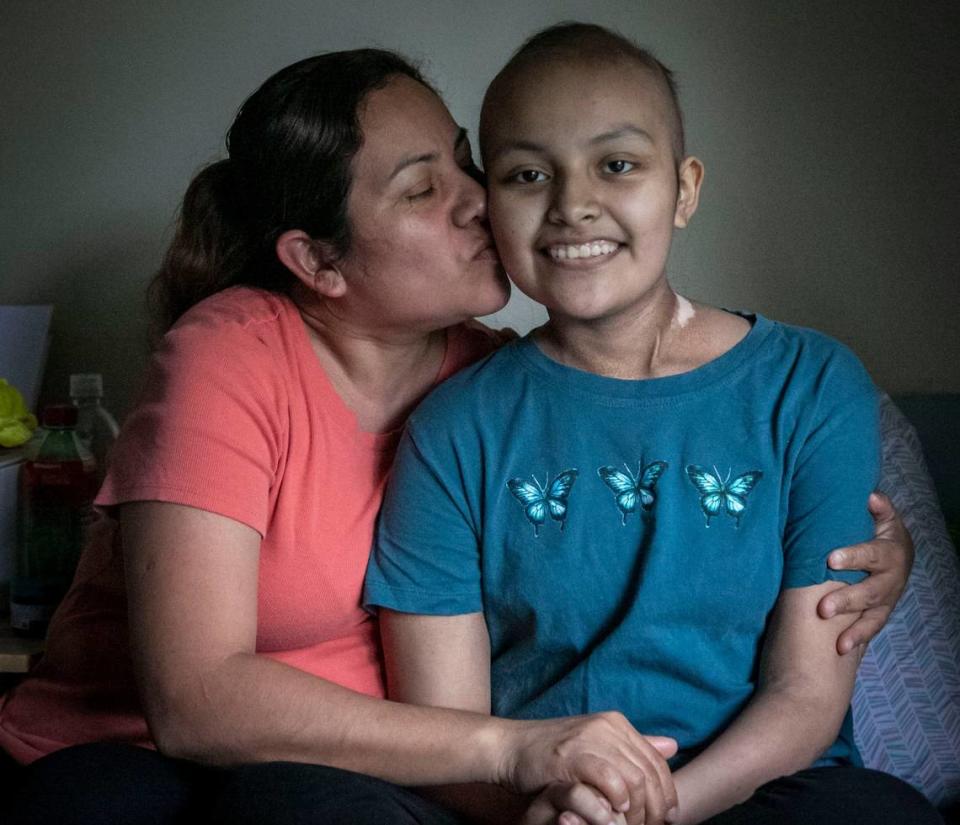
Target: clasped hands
(594,770)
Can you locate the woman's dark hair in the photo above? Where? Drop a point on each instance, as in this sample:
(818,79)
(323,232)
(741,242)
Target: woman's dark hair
(290,149)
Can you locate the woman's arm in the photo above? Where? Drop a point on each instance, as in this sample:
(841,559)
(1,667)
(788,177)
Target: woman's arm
(192,588)
(803,694)
(888,558)
(444,661)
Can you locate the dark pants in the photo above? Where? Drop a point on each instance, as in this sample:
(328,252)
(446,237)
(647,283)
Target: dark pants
(104,784)
(833,796)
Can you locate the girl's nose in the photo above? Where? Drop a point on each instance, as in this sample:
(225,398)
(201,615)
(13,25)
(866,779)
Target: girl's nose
(574,201)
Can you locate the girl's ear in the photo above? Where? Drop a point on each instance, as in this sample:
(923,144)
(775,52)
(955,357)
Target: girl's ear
(312,262)
(689,177)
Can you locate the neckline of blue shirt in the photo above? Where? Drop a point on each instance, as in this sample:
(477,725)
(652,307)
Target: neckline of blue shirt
(601,388)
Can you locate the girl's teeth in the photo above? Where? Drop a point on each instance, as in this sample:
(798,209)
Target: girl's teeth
(594,249)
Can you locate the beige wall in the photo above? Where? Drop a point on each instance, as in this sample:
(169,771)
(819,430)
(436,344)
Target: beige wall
(829,131)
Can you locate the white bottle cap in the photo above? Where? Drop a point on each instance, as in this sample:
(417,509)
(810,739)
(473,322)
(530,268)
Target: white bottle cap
(86,385)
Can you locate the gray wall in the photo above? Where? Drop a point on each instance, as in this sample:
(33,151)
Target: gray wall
(829,132)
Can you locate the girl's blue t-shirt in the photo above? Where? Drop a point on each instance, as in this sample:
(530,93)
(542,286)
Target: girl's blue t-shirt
(627,540)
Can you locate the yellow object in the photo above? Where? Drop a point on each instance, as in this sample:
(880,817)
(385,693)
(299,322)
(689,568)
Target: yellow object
(17,423)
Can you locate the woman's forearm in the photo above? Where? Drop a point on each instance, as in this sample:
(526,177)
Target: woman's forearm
(250,708)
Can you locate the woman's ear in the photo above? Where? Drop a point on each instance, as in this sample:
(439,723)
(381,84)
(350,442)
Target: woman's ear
(689,179)
(312,262)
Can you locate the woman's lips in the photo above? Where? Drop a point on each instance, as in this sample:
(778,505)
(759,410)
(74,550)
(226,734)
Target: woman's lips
(487,253)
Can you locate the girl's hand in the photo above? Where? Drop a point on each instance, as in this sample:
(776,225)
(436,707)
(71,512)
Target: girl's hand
(571,804)
(602,750)
(888,558)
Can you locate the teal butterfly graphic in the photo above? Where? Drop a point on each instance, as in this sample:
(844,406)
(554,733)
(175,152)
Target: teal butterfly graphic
(717,495)
(631,489)
(538,500)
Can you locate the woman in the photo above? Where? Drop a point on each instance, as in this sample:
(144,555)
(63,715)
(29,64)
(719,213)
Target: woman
(319,281)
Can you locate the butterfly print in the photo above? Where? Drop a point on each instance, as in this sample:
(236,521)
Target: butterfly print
(631,489)
(717,496)
(538,500)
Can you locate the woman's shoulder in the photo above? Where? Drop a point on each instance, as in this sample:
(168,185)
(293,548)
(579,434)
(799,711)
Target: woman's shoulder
(237,308)
(240,324)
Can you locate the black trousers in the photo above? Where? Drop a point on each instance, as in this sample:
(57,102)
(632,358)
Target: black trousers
(107,784)
(833,796)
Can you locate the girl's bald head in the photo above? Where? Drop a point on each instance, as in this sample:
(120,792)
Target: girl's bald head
(587,44)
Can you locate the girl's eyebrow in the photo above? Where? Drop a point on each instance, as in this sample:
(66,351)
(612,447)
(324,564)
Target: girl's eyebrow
(628,129)
(427,157)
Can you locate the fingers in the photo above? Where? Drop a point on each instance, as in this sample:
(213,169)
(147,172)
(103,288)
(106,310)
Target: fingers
(872,556)
(855,598)
(581,805)
(862,631)
(880,507)
(665,746)
(569,818)
(652,792)
(603,751)
(592,770)
(665,780)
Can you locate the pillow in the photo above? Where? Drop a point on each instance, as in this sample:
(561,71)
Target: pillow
(906,703)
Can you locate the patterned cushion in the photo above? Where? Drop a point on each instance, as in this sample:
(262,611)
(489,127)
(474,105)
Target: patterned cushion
(906,703)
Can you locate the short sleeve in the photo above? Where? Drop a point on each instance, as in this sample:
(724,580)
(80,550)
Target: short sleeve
(208,427)
(426,556)
(837,467)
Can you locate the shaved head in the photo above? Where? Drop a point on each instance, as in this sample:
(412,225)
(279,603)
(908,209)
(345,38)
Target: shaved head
(589,45)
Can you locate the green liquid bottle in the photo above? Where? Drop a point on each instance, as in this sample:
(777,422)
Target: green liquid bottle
(57,486)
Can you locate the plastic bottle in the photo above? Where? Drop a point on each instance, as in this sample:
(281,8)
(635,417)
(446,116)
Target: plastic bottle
(96,427)
(57,486)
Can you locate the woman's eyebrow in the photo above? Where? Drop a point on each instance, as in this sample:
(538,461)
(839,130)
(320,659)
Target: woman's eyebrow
(427,157)
(411,160)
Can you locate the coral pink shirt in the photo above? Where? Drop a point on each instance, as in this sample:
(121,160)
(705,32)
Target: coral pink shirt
(238,418)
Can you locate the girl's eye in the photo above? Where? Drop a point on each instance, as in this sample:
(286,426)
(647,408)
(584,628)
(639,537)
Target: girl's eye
(529,176)
(619,167)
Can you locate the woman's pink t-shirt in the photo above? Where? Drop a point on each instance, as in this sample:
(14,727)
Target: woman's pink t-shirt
(238,418)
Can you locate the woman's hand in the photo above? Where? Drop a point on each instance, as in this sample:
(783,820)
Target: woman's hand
(602,750)
(888,558)
(576,804)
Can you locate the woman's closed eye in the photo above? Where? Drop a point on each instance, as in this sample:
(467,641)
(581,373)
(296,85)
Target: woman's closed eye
(421,193)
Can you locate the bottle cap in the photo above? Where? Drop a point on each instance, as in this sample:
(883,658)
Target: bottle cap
(59,415)
(86,385)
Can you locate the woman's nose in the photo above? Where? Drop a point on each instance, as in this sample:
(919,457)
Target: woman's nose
(471,202)
(573,200)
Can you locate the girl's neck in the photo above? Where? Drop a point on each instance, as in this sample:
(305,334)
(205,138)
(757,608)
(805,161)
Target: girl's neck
(631,345)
